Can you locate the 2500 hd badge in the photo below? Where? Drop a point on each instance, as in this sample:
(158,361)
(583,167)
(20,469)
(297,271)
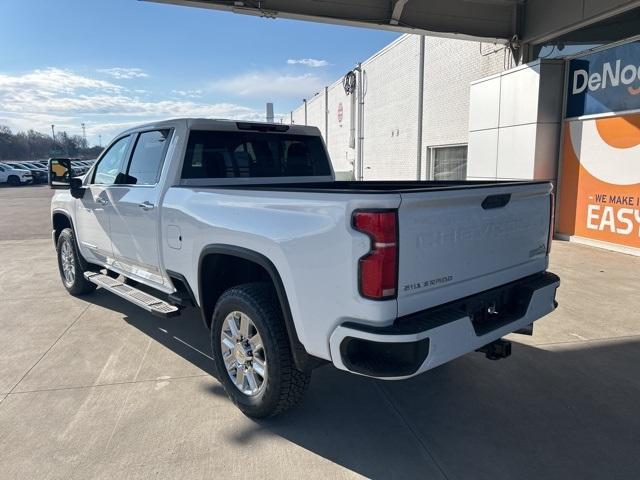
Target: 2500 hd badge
(428,283)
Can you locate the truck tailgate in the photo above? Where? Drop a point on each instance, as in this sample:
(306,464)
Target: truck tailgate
(460,241)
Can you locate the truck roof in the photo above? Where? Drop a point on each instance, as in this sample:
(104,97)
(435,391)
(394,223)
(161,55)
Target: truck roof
(226,124)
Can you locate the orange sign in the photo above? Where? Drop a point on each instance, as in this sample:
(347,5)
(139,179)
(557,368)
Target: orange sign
(600,182)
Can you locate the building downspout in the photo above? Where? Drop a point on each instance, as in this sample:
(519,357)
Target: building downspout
(420,108)
(352,123)
(326,115)
(305,110)
(360,122)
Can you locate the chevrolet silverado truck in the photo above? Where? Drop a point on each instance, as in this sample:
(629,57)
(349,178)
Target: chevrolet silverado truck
(14,175)
(291,269)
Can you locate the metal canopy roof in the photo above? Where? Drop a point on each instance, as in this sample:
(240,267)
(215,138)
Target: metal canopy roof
(533,21)
(471,19)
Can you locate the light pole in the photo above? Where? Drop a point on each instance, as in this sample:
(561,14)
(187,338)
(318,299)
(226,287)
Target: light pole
(53,132)
(84,134)
(100,140)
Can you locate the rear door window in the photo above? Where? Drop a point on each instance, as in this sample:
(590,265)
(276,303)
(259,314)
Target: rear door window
(146,161)
(231,154)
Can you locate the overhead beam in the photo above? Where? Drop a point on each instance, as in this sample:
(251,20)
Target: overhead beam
(396,14)
(486,20)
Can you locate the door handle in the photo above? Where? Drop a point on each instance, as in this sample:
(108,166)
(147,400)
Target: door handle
(101,201)
(146,205)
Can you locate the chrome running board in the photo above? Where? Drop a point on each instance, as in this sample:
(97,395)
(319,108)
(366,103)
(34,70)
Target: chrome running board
(133,295)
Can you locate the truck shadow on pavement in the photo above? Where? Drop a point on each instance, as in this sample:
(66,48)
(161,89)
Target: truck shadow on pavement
(564,411)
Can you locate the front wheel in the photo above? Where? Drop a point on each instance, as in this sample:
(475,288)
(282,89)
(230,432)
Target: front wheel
(70,265)
(13,181)
(252,354)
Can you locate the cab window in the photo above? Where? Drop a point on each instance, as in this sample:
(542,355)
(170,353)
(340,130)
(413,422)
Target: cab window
(231,154)
(146,161)
(112,162)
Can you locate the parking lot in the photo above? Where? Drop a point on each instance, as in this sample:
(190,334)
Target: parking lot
(94,388)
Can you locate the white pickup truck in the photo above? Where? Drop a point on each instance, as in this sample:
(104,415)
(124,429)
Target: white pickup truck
(292,269)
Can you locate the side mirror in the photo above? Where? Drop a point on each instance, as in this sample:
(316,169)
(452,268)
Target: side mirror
(125,179)
(60,177)
(59,173)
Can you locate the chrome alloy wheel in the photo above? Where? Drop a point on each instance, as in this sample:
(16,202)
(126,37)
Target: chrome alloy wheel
(243,353)
(68,263)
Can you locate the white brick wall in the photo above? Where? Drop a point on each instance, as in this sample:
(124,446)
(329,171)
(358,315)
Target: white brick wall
(391,104)
(391,111)
(342,156)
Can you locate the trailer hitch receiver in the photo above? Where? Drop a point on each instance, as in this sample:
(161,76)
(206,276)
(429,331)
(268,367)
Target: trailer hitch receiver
(497,349)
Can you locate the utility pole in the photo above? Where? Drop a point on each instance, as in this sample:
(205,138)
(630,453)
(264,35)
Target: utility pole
(84,134)
(53,132)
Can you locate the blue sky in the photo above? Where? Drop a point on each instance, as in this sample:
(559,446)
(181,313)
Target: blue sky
(116,63)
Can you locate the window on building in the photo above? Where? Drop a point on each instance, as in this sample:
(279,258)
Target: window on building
(448,162)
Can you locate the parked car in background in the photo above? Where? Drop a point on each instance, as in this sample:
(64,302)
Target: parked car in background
(40,174)
(85,163)
(14,176)
(78,167)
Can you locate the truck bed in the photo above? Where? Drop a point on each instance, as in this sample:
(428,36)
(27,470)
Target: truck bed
(455,238)
(376,186)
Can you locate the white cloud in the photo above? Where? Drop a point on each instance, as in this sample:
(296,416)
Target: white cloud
(52,81)
(39,98)
(188,93)
(270,85)
(122,73)
(309,62)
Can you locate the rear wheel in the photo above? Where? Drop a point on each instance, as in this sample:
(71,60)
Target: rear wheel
(252,354)
(71,266)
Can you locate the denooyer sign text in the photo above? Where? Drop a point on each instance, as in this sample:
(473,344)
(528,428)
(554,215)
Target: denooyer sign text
(605,81)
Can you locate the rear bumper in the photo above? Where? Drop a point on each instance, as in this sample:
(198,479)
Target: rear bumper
(424,340)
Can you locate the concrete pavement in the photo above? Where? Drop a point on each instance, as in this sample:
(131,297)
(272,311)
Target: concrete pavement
(94,388)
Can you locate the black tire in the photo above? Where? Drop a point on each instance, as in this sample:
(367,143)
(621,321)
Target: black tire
(13,181)
(284,385)
(66,247)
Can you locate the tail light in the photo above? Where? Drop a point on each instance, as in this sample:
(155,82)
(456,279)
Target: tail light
(552,209)
(378,269)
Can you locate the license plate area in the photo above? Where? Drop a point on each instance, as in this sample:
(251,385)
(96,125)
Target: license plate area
(497,308)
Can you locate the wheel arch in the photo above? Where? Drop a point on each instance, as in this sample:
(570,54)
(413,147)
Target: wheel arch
(60,220)
(213,254)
